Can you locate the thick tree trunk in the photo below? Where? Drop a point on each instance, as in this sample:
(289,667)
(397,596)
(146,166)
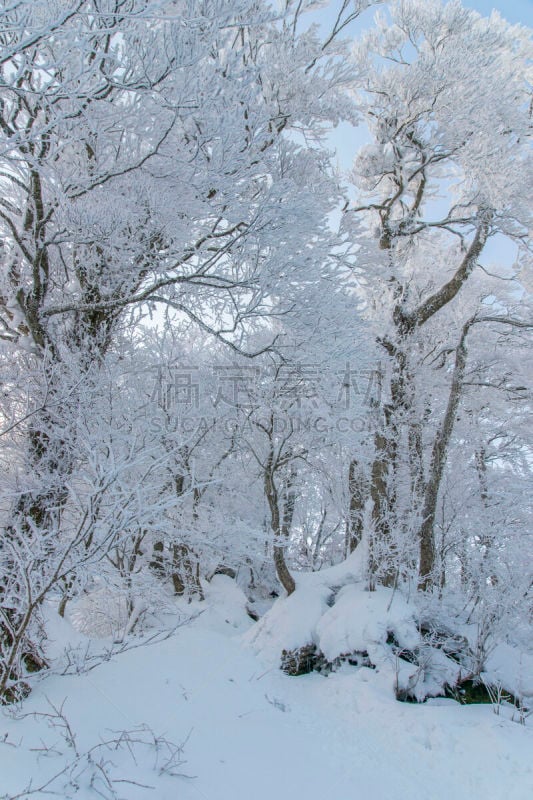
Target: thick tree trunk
(384,563)
(381,514)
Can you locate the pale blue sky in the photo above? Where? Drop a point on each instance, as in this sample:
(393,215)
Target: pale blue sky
(513,10)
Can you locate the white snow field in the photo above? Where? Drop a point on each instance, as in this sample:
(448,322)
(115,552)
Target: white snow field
(249,732)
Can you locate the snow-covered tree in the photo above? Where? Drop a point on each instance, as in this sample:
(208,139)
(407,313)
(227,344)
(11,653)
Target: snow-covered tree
(448,105)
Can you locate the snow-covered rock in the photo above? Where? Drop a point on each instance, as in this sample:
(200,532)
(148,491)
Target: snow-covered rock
(333,614)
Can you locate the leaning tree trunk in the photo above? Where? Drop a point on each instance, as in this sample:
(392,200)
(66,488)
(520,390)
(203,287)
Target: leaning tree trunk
(280,521)
(426,571)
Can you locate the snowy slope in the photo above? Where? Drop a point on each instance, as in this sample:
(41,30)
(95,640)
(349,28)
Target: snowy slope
(252,732)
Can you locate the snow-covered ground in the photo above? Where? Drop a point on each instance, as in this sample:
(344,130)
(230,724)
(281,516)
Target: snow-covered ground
(248,730)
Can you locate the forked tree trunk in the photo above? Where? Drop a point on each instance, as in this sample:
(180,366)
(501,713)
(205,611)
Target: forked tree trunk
(399,411)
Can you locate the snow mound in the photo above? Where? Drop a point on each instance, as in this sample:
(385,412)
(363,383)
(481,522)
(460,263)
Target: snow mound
(290,623)
(225,606)
(359,619)
(334,622)
(512,669)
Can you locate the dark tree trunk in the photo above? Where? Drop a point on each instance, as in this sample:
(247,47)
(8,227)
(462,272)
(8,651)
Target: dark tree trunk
(426,534)
(356,490)
(186,572)
(281,522)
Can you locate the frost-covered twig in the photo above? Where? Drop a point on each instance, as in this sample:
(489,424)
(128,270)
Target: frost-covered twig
(95,767)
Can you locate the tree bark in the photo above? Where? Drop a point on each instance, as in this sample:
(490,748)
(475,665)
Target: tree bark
(280,522)
(186,572)
(426,532)
(356,491)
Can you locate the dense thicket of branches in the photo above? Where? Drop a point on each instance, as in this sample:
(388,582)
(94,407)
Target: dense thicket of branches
(199,370)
